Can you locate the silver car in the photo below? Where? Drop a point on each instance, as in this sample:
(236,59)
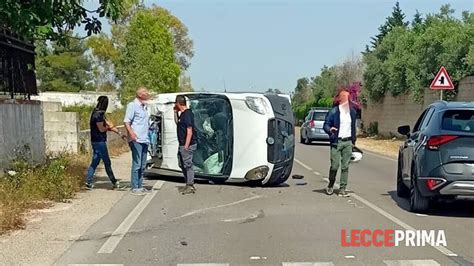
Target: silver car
(312,127)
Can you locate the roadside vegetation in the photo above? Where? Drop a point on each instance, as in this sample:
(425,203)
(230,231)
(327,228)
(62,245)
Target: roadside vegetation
(402,58)
(24,187)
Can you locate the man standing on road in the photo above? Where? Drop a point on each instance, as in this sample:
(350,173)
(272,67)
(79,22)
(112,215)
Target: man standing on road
(340,125)
(136,122)
(187,141)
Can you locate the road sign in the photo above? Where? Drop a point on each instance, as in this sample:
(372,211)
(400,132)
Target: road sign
(442,81)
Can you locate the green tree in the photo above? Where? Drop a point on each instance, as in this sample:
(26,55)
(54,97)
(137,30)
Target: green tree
(147,58)
(63,67)
(408,58)
(396,19)
(54,19)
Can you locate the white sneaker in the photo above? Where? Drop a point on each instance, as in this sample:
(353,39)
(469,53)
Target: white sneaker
(137,192)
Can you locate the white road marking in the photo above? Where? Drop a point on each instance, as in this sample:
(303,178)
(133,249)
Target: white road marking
(381,156)
(204,264)
(308,264)
(304,165)
(411,262)
(217,207)
(441,249)
(317,173)
(349,257)
(113,241)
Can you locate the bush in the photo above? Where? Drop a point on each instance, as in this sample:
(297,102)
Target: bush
(24,187)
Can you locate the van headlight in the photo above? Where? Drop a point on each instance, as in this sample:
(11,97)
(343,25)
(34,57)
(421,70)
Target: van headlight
(257,105)
(258,173)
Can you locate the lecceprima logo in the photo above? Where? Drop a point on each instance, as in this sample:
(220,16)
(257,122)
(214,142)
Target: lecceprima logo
(393,238)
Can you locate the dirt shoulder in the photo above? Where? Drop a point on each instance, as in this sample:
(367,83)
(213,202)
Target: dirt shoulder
(50,232)
(387,148)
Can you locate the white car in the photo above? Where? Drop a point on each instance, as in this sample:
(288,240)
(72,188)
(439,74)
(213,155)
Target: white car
(241,137)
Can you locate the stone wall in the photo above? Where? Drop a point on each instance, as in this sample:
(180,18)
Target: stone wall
(61,129)
(392,112)
(21,131)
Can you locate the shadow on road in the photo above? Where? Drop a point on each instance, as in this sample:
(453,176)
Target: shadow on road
(462,207)
(326,144)
(177,179)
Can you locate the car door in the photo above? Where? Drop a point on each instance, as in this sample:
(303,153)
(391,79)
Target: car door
(408,146)
(306,124)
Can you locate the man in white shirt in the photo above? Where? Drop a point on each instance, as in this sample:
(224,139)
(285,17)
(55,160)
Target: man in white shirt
(340,126)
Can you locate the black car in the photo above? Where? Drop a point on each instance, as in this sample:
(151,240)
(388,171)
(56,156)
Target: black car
(437,159)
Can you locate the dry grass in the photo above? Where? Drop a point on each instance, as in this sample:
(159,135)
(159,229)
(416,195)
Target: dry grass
(58,180)
(387,147)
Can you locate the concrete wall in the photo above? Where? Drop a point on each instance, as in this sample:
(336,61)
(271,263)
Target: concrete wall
(21,131)
(392,112)
(61,129)
(80,98)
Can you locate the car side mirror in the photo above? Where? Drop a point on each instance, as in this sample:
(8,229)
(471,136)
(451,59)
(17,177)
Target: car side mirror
(404,130)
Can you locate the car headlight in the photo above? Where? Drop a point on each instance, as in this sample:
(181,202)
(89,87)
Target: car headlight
(258,173)
(257,105)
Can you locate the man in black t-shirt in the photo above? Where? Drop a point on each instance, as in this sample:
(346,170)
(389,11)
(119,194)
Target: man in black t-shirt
(187,139)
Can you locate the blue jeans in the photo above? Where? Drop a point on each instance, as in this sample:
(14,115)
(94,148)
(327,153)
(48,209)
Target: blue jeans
(139,158)
(100,152)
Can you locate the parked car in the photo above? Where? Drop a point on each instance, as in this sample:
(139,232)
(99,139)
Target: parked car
(241,137)
(312,127)
(437,159)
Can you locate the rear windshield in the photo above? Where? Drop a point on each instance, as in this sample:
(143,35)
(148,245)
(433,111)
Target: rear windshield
(319,116)
(458,120)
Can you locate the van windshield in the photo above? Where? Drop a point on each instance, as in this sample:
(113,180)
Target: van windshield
(214,126)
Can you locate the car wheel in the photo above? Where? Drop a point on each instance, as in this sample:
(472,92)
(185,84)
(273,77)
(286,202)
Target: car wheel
(418,203)
(402,190)
(307,141)
(301,138)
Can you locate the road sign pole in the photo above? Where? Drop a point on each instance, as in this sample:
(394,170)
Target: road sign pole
(441,95)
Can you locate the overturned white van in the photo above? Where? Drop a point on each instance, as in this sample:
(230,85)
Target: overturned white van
(241,137)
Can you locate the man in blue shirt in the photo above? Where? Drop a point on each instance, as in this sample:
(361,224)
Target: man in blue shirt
(137,125)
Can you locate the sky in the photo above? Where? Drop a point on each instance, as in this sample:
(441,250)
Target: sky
(255,45)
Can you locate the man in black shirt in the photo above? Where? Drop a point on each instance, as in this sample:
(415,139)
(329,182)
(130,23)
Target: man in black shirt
(187,141)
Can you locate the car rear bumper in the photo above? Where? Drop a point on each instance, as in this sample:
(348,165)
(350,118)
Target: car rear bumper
(317,134)
(464,188)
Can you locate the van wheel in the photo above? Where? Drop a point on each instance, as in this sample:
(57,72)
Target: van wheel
(402,190)
(418,203)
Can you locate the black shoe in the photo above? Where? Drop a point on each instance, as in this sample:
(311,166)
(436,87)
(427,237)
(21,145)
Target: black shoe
(343,193)
(329,190)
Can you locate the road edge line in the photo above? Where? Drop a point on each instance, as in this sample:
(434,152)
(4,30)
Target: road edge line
(119,233)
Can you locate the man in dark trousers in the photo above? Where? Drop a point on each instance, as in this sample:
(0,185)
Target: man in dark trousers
(184,118)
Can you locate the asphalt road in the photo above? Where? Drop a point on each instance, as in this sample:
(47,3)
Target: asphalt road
(294,224)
